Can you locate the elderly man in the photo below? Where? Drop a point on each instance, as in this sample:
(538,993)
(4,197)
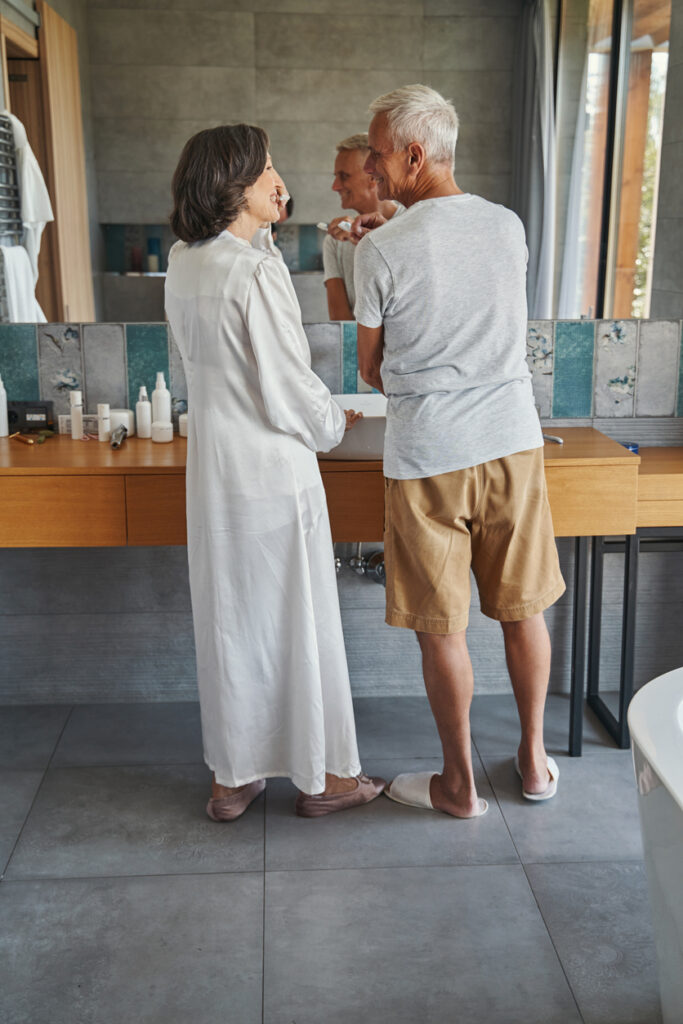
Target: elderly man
(357,191)
(441,310)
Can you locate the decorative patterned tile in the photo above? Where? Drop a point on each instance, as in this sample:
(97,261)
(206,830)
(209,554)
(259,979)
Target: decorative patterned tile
(19,362)
(616,344)
(104,364)
(146,355)
(573,368)
(325,343)
(539,350)
(350,358)
(60,360)
(658,356)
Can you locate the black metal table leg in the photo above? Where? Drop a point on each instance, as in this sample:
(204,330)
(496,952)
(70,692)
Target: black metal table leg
(578,667)
(617,725)
(595,615)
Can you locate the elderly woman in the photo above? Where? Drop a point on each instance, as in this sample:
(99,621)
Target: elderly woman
(271,666)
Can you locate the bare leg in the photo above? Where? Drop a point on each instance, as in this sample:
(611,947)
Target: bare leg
(449,682)
(527,651)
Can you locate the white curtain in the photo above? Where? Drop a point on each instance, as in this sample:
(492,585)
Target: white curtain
(533,153)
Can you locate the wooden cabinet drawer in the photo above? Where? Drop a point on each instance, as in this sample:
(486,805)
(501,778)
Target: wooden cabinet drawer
(356,504)
(156,509)
(592,500)
(62,511)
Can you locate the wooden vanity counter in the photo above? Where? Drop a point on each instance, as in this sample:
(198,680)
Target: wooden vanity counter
(660,487)
(68,493)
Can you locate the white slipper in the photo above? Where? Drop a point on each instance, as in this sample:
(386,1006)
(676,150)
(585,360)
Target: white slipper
(412,789)
(551,789)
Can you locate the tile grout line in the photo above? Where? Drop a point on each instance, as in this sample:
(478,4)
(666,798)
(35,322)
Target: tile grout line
(533,894)
(35,795)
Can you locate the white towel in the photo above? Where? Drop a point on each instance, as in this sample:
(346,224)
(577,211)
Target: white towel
(36,208)
(19,286)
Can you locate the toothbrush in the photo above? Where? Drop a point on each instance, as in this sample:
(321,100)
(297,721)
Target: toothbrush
(345,225)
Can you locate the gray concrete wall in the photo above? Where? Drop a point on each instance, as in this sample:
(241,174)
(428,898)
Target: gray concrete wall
(667,278)
(304,69)
(114,624)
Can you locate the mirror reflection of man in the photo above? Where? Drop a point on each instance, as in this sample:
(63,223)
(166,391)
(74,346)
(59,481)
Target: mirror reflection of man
(357,191)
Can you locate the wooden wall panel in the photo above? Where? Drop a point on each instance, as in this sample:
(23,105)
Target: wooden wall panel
(66,164)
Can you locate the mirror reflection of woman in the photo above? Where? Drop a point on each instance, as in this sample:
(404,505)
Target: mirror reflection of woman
(271,666)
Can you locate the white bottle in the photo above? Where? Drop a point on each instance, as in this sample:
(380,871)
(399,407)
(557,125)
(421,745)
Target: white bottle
(103,422)
(161,401)
(4,428)
(76,399)
(143,414)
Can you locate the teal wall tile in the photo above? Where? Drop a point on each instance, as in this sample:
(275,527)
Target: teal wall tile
(146,355)
(19,362)
(310,247)
(573,369)
(350,358)
(679,410)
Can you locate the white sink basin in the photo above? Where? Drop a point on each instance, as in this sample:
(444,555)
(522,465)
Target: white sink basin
(366,439)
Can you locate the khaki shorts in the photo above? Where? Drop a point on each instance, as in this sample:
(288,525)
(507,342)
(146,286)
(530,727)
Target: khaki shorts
(494,518)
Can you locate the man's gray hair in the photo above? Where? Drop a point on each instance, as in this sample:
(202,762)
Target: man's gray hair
(359,141)
(417,113)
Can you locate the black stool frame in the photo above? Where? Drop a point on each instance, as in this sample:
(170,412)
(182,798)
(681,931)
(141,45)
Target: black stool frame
(646,538)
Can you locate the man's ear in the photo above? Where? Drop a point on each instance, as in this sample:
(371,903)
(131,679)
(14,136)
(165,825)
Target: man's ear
(416,156)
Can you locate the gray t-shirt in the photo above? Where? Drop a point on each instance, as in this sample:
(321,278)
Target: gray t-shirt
(338,260)
(447,282)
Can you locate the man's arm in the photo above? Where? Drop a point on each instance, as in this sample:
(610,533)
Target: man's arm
(337,300)
(370,354)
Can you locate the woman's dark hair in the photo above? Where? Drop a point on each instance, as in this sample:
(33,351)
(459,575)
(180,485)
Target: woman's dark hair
(215,167)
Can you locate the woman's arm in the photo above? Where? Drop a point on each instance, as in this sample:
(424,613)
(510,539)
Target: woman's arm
(296,400)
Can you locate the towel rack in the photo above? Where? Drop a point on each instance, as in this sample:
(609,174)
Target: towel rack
(11,226)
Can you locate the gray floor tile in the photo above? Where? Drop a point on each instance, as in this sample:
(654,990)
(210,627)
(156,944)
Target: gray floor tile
(593,817)
(383,833)
(398,946)
(396,727)
(144,950)
(17,790)
(598,916)
(126,821)
(28,734)
(495,725)
(164,733)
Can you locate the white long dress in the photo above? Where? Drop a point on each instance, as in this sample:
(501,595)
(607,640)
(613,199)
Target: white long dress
(271,666)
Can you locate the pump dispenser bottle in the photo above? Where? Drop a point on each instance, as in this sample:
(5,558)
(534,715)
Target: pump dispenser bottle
(161,401)
(76,399)
(4,428)
(143,414)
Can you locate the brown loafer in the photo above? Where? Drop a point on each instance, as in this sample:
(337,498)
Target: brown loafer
(227,808)
(308,806)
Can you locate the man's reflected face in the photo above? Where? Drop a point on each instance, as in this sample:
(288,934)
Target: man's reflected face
(355,188)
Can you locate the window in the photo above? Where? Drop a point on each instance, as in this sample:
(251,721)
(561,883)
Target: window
(611,81)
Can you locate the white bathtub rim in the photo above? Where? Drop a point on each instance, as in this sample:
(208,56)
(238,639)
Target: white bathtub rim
(655,720)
